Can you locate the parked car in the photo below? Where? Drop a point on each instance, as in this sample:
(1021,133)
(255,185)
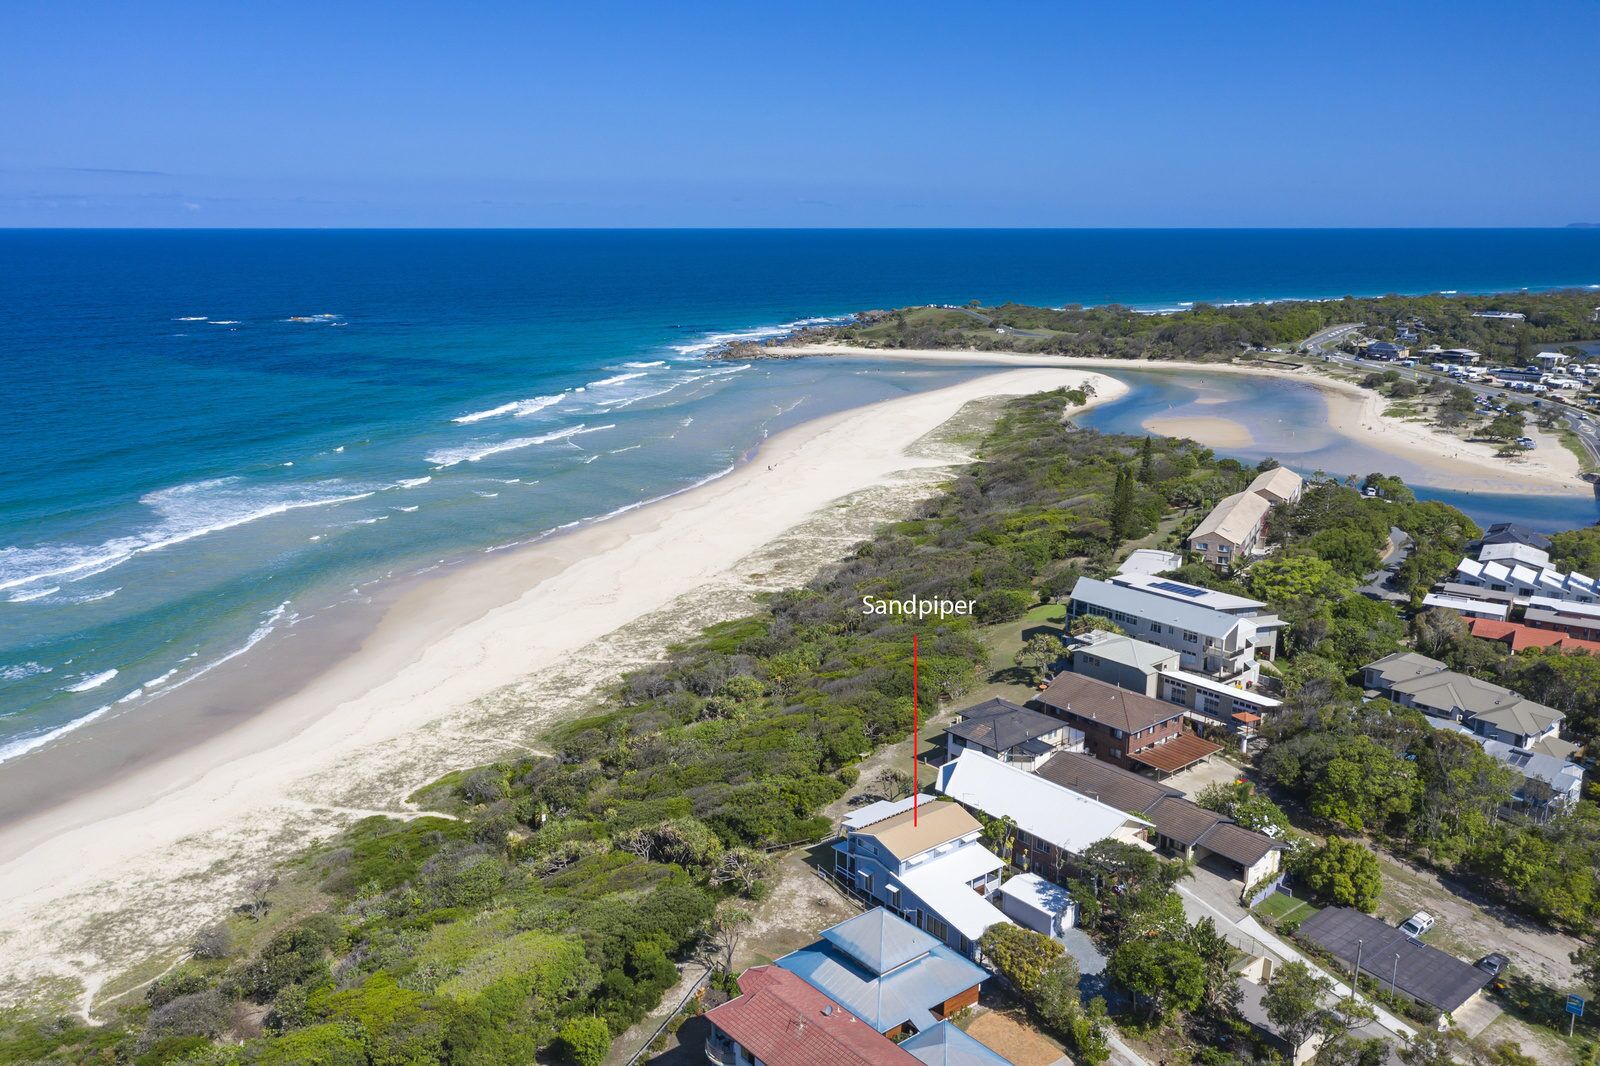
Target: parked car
(1494,964)
(1417,924)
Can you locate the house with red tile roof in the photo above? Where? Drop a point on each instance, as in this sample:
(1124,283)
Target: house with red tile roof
(1516,636)
(779,1020)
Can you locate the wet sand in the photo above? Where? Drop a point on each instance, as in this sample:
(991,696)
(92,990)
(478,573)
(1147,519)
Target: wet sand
(1212,432)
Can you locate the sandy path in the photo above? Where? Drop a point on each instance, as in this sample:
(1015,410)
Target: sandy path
(463,669)
(1354,412)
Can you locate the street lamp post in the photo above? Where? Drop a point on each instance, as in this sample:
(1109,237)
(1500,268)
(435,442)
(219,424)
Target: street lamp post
(1355,980)
(1393,974)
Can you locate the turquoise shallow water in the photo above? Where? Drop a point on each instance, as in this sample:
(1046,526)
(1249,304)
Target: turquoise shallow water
(210,435)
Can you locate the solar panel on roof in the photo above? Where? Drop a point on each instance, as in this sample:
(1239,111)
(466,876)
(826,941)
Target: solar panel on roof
(1182,590)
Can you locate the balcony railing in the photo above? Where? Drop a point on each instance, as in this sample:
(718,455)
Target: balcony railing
(720,1052)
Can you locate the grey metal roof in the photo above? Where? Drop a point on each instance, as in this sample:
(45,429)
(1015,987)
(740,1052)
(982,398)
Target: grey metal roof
(905,993)
(1124,650)
(1148,605)
(945,1045)
(1512,533)
(1404,666)
(1001,725)
(879,941)
(1426,974)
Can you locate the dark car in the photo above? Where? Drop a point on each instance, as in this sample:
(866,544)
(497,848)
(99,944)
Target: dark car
(1494,964)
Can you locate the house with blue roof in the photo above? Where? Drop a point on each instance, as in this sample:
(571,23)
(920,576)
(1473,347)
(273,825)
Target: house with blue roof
(888,973)
(945,1045)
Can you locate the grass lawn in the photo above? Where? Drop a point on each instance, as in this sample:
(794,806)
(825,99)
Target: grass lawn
(1281,906)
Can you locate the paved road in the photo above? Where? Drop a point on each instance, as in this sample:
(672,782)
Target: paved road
(1377,585)
(1324,345)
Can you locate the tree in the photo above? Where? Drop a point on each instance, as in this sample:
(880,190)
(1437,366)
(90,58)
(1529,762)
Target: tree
(1147,469)
(1020,955)
(723,933)
(1429,1048)
(1285,579)
(1342,872)
(1089,623)
(1293,1002)
(1508,426)
(1088,1035)
(1122,515)
(1038,655)
(1165,974)
(585,1040)
(893,784)
(741,867)
(1363,785)
(999,834)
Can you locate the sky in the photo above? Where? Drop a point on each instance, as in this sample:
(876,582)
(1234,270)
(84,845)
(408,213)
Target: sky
(799,114)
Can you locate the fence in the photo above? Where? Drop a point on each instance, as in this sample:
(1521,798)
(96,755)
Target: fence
(694,989)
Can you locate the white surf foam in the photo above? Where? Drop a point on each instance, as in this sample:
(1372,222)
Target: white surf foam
(712,341)
(22,671)
(185,512)
(33,594)
(645,366)
(615,379)
(92,681)
(191,318)
(516,408)
(27,744)
(479,450)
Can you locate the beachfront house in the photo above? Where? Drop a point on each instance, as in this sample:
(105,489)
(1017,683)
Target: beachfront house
(1125,728)
(929,867)
(893,976)
(1278,486)
(1267,625)
(1230,534)
(1003,730)
(1208,641)
(1153,671)
(1179,827)
(1053,825)
(779,1020)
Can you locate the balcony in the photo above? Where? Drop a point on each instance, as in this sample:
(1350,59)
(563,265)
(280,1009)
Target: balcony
(721,1051)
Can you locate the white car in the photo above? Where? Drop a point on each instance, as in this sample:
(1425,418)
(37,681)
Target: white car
(1417,924)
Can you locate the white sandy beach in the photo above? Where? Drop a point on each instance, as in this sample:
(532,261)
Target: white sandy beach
(1354,412)
(449,677)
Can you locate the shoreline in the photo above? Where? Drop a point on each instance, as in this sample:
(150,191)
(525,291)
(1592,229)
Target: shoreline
(442,673)
(1353,412)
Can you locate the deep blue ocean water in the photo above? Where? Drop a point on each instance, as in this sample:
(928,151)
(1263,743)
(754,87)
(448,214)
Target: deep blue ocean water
(210,434)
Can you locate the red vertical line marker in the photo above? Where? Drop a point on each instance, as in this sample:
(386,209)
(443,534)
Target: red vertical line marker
(916,789)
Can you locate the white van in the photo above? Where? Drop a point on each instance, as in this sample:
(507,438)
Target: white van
(1417,924)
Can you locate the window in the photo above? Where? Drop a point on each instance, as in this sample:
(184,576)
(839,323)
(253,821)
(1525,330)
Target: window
(1223,549)
(935,926)
(1191,638)
(1201,546)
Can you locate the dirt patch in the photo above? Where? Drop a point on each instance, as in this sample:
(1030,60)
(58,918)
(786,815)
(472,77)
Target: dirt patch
(799,905)
(1010,1034)
(1471,927)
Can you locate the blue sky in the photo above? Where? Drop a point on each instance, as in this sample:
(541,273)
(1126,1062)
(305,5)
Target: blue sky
(814,114)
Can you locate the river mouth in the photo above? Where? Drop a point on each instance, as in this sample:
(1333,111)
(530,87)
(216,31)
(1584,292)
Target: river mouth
(1252,418)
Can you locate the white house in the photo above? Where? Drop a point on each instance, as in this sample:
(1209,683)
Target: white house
(925,862)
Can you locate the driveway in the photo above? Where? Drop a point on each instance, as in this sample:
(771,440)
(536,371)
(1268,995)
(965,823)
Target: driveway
(1213,771)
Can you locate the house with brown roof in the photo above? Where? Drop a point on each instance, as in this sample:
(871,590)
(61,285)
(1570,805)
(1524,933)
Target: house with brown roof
(1180,826)
(1125,728)
(1278,485)
(779,1020)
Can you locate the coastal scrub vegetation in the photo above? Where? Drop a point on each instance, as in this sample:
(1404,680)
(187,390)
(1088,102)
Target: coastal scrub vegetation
(1212,331)
(547,908)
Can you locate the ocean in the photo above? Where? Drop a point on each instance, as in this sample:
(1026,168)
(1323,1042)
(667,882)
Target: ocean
(212,435)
